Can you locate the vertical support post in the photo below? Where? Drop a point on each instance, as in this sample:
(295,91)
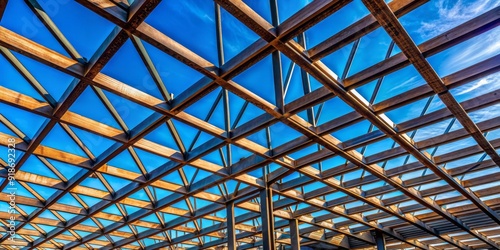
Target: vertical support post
(3,6)
(231,233)
(379,239)
(277,72)
(266,213)
(306,84)
(294,234)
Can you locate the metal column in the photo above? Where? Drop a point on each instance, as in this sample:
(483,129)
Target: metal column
(231,234)
(294,234)
(266,213)
(379,239)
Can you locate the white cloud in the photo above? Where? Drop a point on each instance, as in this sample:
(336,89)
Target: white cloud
(431,130)
(414,80)
(451,13)
(481,48)
(485,113)
(486,84)
(195,8)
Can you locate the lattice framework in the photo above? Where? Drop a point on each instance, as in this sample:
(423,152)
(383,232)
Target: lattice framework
(270,203)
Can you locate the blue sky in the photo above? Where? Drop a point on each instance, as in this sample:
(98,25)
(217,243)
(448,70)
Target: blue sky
(192,24)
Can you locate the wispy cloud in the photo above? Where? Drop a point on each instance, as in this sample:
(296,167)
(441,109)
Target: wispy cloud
(195,8)
(431,130)
(482,48)
(485,113)
(486,84)
(414,81)
(451,13)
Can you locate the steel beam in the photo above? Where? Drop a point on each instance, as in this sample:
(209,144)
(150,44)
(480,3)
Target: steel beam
(379,239)
(231,229)
(267,217)
(294,234)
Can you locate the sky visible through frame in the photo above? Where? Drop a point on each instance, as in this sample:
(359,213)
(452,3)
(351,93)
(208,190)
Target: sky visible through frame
(190,22)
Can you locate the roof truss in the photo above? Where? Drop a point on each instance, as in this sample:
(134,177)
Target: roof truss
(273,201)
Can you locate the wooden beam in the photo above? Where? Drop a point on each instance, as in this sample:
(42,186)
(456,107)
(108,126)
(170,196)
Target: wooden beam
(27,75)
(416,207)
(401,170)
(459,78)
(107,49)
(467,30)
(307,17)
(24,46)
(358,29)
(392,25)
(174,49)
(167,201)
(311,14)
(295,52)
(386,127)
(452,81)
(107,9)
